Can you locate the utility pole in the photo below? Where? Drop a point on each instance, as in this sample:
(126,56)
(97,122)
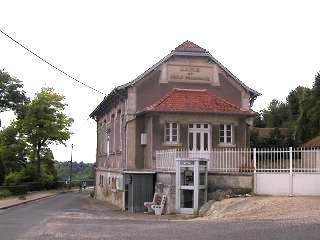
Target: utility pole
(71,167)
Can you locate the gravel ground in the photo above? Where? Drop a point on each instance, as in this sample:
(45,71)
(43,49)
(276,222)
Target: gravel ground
(266,208)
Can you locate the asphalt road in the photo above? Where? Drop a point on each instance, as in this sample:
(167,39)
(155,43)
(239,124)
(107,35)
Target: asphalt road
(74,216)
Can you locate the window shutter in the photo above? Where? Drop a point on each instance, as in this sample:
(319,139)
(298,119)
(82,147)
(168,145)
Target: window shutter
(236,135)
(215,135)
(183,134)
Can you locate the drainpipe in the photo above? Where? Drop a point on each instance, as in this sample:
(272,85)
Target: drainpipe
(126,133)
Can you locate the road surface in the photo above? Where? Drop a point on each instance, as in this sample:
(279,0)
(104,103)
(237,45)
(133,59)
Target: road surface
(74,216)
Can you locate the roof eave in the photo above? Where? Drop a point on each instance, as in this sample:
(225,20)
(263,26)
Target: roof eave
(197,112)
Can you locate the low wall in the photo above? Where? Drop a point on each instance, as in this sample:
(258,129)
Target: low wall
(229,180)
(166,184)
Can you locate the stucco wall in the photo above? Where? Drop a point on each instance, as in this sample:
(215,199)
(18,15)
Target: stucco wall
(104,191)
(155,85)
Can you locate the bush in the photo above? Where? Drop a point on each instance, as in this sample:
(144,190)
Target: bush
(4,193)
(15,178)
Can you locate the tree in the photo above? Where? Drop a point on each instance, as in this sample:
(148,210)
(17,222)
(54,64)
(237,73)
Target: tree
(13,151)
(45,123)
(308,123)
(294,100)
(12,96)
(276,115)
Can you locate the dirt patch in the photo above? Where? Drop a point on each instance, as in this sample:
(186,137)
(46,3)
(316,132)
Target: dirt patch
(265,208)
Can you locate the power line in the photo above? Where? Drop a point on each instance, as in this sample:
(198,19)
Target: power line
(51,65)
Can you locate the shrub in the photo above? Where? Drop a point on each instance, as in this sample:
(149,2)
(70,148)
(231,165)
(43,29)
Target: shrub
(4,193)
(15,178)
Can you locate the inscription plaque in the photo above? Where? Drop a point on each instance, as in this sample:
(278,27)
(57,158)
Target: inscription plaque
(189,73)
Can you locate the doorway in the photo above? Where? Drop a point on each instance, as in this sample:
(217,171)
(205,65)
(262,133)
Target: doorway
(199,140)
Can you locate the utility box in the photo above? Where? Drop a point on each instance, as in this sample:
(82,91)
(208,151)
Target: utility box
(143,139)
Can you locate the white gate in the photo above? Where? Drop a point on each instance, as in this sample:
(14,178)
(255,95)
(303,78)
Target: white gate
(290,172)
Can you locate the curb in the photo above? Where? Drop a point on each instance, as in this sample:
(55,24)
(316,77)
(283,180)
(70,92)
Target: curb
(28,201)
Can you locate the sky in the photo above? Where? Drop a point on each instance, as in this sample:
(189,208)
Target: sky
(272,46)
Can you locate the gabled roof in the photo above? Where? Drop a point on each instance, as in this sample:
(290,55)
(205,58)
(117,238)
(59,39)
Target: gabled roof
(315,142)
(188,48)
(197,101)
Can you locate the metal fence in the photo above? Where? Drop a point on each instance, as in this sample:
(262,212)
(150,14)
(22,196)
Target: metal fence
(246,160)
(26,187)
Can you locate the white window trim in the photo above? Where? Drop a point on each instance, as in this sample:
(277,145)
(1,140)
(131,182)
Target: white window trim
(170,133)
(225,134)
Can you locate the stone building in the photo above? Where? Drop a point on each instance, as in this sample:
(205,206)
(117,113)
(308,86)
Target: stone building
(188,100)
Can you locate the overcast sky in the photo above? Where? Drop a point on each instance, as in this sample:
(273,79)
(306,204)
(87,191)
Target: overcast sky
(272,46)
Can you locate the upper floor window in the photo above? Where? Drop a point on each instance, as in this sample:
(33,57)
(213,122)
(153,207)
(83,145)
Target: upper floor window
(171,133)
(225,133)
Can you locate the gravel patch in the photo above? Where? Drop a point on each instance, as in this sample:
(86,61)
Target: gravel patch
(266,208)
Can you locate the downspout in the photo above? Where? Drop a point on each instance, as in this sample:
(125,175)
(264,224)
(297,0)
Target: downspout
(126,133)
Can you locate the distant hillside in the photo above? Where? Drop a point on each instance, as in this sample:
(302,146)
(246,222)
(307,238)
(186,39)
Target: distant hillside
(80,171)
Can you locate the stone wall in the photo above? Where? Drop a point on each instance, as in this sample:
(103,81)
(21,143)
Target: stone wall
(166,184)
(229,180)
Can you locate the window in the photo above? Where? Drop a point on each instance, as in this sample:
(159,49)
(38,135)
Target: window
(108,144)
(171,133)
(101,180)
(225,133)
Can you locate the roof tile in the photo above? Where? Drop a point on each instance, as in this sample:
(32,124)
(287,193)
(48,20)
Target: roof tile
(189,46)
(192,100)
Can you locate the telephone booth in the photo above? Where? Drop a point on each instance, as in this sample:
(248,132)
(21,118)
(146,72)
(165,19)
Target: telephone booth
(191,184)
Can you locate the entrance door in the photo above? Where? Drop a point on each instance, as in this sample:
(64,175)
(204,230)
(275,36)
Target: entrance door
(139,188)
(199,140)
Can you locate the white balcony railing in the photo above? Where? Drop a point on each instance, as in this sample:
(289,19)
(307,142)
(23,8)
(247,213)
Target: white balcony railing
(219,160)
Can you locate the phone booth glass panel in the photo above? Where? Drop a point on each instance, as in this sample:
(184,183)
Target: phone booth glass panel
(191,184)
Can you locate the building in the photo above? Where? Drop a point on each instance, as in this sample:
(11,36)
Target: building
(188,100)
(313,143)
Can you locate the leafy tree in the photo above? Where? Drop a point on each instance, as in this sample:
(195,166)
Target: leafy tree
(44,124)
(80,171)
(13,152)
(308,123)
(2,173)
(274,139)
(294,100)
(276,115)
(12,96)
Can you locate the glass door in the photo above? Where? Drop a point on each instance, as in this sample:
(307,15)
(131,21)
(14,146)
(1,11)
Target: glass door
(199,140)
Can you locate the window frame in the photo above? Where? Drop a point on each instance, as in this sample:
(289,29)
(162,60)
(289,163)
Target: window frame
(225,135)
(171,133)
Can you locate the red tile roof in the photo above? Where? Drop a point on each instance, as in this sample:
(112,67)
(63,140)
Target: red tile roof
(315,142)
(192,100)
(265,132)
(189,46)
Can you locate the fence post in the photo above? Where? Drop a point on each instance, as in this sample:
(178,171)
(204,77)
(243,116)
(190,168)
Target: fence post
(290,174)
(255,170)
